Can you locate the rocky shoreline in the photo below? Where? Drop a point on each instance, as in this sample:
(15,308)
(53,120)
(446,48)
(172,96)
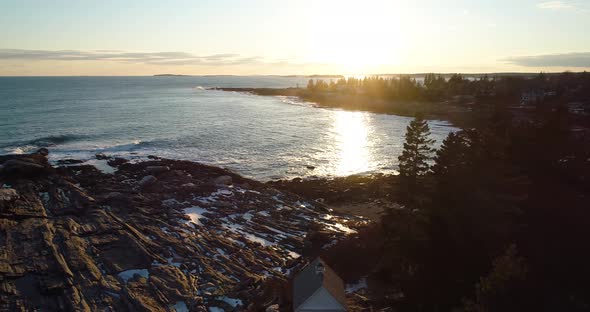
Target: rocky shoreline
(157,235)
(364,195)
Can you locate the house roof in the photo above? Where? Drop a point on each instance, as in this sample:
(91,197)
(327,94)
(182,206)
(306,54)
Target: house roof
(308,281)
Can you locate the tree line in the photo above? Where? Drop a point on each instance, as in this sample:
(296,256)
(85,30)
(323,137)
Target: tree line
(436,87)
(496,219)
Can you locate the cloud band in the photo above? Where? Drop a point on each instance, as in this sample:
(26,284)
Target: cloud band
(581,59)
(154,58)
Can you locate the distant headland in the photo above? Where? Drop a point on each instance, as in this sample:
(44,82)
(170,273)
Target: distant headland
(170,75)
(284,76)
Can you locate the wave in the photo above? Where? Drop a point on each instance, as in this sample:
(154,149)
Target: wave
(69,144)
(124,147)
(293,100)
(20,150)
(24,147)
(53,140)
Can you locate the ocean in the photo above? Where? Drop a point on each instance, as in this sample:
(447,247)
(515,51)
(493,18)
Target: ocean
(178,117)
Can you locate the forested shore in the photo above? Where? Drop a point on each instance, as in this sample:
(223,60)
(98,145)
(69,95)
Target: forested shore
(493,220)
(464,101)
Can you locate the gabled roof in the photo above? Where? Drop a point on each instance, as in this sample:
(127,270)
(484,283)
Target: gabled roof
(308,281)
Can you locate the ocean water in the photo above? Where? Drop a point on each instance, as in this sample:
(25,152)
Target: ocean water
(178,117)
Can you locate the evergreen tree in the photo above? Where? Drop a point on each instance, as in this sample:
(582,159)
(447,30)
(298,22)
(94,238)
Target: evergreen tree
(475,198)
(504,288)
(405,230)
(413,162)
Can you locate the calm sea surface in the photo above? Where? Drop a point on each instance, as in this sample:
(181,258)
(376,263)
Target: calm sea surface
(176,117)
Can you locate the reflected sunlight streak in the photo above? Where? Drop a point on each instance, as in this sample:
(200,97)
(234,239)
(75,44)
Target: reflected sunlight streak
(352,131)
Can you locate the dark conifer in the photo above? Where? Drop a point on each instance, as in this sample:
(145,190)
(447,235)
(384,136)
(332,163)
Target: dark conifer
(414,160)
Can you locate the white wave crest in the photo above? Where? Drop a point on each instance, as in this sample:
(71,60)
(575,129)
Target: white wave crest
(19,150)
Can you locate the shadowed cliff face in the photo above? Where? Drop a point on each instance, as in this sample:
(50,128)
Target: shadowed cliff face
(153,236)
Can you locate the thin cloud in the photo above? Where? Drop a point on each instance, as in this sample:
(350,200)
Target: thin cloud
(153,58)
(221,56)
(563,5)
(555,5)
(581,59)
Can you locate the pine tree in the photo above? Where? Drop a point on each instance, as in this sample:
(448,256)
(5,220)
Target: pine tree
(475,206)
(505,287)
(413,162)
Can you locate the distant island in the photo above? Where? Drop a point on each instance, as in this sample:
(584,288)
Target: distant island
(315,76)
(170,75)
(286,76)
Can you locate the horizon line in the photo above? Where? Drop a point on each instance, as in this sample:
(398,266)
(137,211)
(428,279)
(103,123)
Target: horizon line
(312,75)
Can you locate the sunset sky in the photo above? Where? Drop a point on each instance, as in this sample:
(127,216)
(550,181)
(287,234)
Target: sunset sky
(112,37)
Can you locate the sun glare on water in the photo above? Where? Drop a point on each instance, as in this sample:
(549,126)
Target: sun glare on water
(352,130)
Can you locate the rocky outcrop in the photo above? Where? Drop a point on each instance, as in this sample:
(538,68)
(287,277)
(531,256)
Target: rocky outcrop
(76,239)
(157,169)
(223,180)
(350,189)
(7,195)
(147,181)
(117,161)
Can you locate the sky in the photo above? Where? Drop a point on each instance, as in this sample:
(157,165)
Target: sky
(291,37)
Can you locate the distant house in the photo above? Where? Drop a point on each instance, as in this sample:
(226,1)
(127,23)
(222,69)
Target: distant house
(318,288)
(463,99)
(535,96)
(531,97)
(579,108)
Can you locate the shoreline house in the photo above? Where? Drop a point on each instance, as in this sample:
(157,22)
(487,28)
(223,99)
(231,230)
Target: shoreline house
(535,96)
(318,288)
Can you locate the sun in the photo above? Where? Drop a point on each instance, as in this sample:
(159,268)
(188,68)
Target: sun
(357,59)
(352,54)
(354,38)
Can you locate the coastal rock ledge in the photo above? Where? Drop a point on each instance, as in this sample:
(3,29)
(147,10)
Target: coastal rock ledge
(73,238)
